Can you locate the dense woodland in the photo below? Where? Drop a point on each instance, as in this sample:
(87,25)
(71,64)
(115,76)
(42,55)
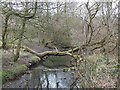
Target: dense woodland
(86,32)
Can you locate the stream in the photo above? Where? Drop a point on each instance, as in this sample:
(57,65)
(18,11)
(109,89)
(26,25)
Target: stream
(43,77)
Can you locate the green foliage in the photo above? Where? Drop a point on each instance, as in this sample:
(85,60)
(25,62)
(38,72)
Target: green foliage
(0,78)
(116,66)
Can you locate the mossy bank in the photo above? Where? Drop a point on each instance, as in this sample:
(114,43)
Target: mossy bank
(17,69)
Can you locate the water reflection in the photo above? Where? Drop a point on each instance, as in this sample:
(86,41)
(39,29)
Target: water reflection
(44,78)
(50,79)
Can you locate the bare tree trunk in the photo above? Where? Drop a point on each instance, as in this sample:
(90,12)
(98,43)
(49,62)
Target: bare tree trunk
(24,18)
(57,12)
(90,31)
(20,40)
(109,6)
(4,32)
(46,76)
(118,82)
(48,19)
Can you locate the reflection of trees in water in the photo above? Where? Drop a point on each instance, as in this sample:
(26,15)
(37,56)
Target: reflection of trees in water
(48,83)
(46,76)
(39,83)
(57,83)
(34,81)
(51,79)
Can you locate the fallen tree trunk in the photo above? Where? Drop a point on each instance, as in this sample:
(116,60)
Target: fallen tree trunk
(48,53)
(64,53)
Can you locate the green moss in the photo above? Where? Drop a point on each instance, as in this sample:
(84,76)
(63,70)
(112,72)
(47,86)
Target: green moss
(0,78)
(73,68)
(34,59)
(13,72)
(4,76)
(19,68)
(65,69)
(116,66)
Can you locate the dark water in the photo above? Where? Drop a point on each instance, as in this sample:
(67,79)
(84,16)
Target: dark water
(42,77)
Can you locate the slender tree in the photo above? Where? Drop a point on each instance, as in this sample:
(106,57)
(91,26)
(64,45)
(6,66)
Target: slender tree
(24,19)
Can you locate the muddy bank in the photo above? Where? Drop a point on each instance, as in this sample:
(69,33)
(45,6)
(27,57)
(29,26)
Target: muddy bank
(16,70)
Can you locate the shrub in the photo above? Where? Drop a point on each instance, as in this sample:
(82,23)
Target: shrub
(62,38)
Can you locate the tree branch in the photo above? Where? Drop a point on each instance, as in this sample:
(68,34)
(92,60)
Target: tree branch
(64,53)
